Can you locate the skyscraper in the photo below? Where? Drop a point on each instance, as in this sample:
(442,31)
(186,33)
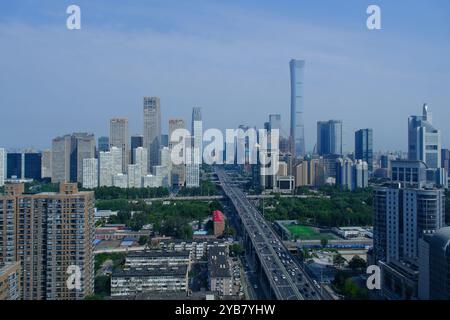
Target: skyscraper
(197,130)
(297,135)
(192,164)
(105,168)
(424,140)
(82,147)
(364,146)
(152,130)
(34,237)
(140,158)
(2,166)
(14,167)
(61,148)
(90,173)
(196,153)
(329,137)
(118,137)
(103,144)
(445,159)
(117,160)
(439,265)
(402,216)
(134,176)
(275,122)
(136,142)
(46,170)
(178,171)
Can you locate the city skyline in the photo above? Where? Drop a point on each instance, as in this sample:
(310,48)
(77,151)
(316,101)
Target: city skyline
(377,83)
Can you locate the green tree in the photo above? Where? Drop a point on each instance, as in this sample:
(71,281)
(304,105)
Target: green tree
(236,249)
(338,260)
(357,263)
(143,240)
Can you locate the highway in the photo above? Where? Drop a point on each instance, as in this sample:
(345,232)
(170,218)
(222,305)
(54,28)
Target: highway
(287,280)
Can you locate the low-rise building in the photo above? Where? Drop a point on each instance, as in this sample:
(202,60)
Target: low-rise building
(219,274)
(162,278)
(149,258)
(219,223)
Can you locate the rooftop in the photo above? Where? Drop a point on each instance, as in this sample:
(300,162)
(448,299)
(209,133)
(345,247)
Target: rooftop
(218,216)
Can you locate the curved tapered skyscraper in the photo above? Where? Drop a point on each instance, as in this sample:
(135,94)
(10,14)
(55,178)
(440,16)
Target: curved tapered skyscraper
(297,135)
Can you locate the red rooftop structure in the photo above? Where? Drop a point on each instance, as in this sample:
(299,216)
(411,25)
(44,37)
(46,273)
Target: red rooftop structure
(218,222)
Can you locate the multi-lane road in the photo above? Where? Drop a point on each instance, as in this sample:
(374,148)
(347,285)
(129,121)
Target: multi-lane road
(286,278)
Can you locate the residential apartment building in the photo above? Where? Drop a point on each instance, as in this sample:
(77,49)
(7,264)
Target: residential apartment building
(49,234)
(10,281)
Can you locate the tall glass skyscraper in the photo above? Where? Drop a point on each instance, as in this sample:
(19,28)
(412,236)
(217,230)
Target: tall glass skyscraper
(364,146)
(152,130)
(297,134)
(424,140)
(329,137)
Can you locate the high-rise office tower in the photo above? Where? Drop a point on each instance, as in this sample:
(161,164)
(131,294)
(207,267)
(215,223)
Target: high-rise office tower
(46,170)
(117,160)
(178,171)
(329,137)
(2,166)
(175,124)
(103,144)
(118,137)
(137,141)
(32,165)
(275,122)
(166,164)
(438,271)
(192,164)
(120,180)
(105,159)
(297,135)
(82,147)
(140,157)
(61,148)
(134,176)
(360,175)
(401,216)
(344,173)
(445,159)
(424,140)
(27,165)
(90,173)
(152,130)
(364,146)
(14,167)
(164,140)
(197,130)
(50,234)
(68,153)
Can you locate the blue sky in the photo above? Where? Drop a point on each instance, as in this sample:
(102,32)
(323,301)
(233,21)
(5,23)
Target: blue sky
(229,57)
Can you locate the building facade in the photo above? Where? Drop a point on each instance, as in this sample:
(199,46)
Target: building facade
(90,173)
(10,281)
(364,146)
(50,234)
(329,137)
(119,137)
(152,130)
(297,132)
(424,140)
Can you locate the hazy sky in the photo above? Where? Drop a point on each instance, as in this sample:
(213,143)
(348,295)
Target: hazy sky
(229,57)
